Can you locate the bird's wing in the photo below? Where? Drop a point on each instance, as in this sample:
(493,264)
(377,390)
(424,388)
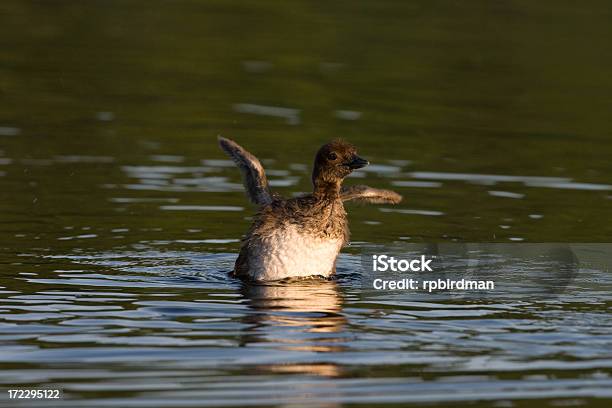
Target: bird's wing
(369,195)
(253,174)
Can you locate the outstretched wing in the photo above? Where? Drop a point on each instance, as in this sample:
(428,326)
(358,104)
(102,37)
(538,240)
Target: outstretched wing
(369,195)
(253,174)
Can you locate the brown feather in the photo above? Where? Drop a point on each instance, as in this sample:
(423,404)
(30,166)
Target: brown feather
(369,195)
(253,174)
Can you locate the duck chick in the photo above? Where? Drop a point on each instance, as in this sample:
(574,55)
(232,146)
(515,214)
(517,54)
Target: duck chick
(301,236)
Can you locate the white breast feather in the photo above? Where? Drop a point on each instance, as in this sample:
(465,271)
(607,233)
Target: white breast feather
(289,252)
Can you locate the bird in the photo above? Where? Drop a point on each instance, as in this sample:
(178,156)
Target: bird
(302,236)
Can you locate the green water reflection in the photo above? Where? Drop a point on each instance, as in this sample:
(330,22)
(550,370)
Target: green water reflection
(512,88)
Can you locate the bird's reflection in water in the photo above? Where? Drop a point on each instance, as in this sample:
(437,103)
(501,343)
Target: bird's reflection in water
(301,315)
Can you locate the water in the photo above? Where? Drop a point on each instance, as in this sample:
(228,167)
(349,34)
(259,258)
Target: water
(120,217)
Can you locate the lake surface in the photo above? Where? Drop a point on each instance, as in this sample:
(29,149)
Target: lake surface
(120,217)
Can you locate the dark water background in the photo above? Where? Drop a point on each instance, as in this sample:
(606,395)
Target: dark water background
(119,216)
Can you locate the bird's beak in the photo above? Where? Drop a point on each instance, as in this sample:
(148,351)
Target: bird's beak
(357,162)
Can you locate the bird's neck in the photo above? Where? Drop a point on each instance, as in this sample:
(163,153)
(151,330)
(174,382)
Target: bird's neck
(329,190)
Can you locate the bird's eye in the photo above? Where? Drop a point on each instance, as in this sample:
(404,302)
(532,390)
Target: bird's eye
(332,156)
